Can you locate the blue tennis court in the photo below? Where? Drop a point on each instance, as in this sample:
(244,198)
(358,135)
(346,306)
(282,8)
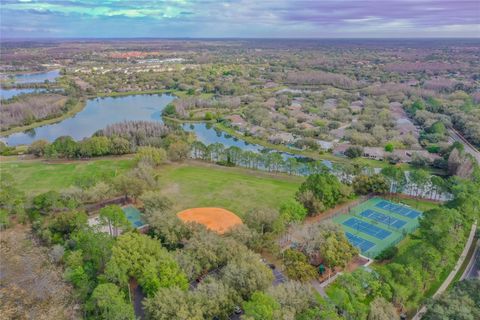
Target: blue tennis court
(401,210)
(367,228)
(383,218)
(360,243)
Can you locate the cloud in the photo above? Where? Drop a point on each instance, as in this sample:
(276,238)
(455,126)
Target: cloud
(241,18)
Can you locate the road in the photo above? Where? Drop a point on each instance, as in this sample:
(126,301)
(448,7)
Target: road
(468,147)
(473,268)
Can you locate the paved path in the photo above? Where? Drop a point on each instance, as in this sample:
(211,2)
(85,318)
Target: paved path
(468,147)
(318,287)
(473,269)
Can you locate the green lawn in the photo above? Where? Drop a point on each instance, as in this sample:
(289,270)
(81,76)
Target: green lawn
(236,189)
(35,177)
(192,184)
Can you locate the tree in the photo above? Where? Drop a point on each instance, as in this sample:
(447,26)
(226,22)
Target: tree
(261,306)
(297,266)
(264,220)
(419,179)
(129,185)
(396,176)
(62,147)
(173,303)
(94,147)
(381,309)
(437,127)
(154,201)
(151,155)
(139,256)
(461,302)
(50,201)
(293,211)
(119,145)
(322,191)
(294,297)
(95,248)
(178,151)
(65,223)
(115,218)
(326,242)
(37,148)
(247,274)
(389,147)
(354,152)
(365,184)
(108,302)
(163,220)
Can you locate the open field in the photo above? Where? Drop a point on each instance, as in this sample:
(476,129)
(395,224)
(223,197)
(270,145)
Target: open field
(191,184)
(37,176)
(196,184)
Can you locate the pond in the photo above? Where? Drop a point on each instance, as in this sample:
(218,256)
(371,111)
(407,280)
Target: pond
(207,134)
(37,77)
(9,93)
(97,114)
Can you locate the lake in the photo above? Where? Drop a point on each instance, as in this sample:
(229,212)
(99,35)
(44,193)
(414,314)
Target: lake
(100,112)
(9,93)
(207,134)
(37,77)
(97,114)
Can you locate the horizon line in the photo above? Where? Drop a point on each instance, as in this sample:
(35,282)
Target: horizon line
(235,38)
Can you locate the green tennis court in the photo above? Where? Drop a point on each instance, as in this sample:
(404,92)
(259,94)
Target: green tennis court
(134,216)
(377,224)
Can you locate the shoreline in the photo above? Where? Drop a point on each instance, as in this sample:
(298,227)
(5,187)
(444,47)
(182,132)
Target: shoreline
(78,107)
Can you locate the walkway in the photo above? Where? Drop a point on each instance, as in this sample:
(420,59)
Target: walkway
(468,147)
(473,268)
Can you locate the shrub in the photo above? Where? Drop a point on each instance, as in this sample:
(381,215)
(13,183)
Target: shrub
(387,253)
(354,152)
(152,155)
(292,210)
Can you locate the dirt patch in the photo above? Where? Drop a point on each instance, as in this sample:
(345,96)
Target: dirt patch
(31,287)
(215,219)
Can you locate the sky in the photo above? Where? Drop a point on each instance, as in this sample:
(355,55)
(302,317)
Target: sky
(239,18)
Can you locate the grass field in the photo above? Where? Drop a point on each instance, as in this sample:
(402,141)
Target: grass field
(36,176)
(373,228)
(238,190)
(189,185)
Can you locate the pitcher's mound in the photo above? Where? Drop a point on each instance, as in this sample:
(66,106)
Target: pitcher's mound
(215,219)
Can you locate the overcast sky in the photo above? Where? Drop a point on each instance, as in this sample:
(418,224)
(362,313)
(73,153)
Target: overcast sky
(240,18)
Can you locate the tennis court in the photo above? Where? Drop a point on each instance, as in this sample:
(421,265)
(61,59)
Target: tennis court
(399,209)
(134,216)
(367,228)
(377,224)
(383,218)
(358,242)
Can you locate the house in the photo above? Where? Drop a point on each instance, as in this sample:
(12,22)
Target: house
(375,153)
(330,103)
(325,145)
(355,108)
(339,149)
(282,137)
(236,120)
(270,103)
